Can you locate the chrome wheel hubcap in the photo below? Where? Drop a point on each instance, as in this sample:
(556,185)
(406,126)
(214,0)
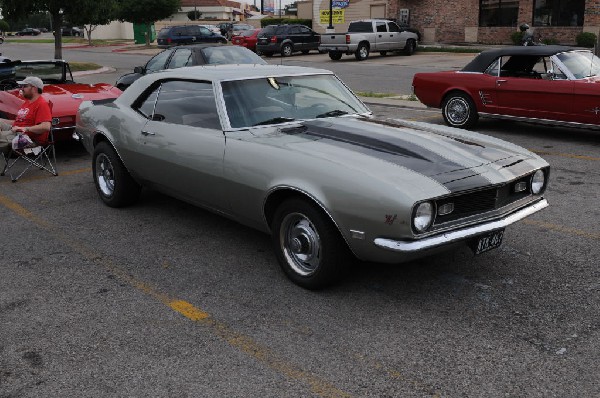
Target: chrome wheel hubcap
(457,110)
(301,244)
(363,52)
(105,175)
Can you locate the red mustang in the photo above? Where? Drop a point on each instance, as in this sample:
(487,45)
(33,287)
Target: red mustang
(543,84)
(60,91)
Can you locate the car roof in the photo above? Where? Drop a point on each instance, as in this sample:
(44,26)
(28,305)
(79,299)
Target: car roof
(485,58)
(201,45)
(223,72)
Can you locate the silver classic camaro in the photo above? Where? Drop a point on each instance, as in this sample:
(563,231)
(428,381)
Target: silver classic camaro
(292,152)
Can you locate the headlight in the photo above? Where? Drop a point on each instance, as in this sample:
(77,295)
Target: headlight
(423,216)
(537,182)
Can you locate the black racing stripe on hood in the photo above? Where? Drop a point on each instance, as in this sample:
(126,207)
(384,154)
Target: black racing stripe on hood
(401,152)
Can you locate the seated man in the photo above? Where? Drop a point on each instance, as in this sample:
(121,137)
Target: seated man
(34,118)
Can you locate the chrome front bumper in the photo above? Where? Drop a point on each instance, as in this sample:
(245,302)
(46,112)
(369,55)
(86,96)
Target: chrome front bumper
(443,239)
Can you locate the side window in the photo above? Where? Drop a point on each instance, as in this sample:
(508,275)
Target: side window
(494,67)
(305,30)
(178,31)
(192,31)
(189,103)
(381,27)
(392,27)
(159,61)
(294,30)
(145,104)
(204,31)
(181,58)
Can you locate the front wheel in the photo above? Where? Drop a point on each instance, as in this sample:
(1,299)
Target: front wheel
(1,40)
(410,47)
(115,186)
(286,50)
(335,55)
(309,248)
(459,110)
(362,52)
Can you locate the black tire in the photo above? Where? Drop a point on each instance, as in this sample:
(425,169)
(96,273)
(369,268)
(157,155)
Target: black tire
(410,47)
(115,186)
(459,110)
(286,50)
(305,52)
(362,52)
(335,55)
(308,245)
(1,40)
(383,53)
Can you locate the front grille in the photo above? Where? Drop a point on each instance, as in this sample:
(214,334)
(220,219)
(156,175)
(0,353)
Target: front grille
(476,202)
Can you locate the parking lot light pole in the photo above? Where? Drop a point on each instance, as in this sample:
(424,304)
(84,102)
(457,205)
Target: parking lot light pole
(330,28)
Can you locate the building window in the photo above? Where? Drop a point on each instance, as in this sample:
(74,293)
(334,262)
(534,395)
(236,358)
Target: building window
(498,12)
(558,12)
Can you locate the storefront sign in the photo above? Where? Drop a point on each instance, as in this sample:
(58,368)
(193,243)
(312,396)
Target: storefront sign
(340,3)
(337,16)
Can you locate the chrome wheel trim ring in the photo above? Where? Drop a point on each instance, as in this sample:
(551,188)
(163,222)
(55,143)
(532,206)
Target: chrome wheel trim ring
(457,111)
(363,52)
(300,243)
(105,175)
(287,50)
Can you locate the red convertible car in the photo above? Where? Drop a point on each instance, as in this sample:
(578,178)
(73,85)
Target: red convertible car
(60,91)
(542,84)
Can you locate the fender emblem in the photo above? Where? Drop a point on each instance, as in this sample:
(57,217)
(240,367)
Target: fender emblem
(389,219)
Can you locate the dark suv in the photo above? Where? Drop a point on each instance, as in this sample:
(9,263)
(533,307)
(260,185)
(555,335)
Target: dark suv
(190,34)
(286,39)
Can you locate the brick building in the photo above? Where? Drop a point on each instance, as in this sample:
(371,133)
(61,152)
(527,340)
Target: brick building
(477,21)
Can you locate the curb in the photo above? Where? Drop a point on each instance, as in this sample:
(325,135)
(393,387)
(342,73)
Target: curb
(396,102)
(104,69)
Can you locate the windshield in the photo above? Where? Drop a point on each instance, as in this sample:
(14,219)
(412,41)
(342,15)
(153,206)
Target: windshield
(582,64)
(49,72)
(275,100)
(231,55)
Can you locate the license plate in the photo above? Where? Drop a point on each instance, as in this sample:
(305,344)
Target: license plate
(487,242)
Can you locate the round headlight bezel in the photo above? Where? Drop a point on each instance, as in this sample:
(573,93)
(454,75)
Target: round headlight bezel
(419,213)
(536,185)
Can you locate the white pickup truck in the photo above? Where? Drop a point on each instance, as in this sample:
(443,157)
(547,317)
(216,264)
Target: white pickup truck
(366,36)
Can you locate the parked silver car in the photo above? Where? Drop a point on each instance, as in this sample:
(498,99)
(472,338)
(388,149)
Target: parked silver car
(293,152)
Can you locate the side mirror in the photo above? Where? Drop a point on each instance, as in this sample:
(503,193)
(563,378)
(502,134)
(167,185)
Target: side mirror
(139,69)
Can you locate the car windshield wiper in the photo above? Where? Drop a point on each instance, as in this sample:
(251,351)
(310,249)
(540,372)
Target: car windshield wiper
(275,120)
(333,113)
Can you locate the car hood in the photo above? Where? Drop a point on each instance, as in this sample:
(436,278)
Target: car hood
(65,98)
(456,159)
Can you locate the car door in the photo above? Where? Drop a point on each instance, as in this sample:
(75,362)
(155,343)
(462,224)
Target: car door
(180,148)
(525,90)
(295,35)
(310,38)
(397,39)
(382,39)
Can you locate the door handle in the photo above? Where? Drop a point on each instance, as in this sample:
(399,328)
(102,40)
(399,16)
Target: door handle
(146,133)
(501,81)
(380,35)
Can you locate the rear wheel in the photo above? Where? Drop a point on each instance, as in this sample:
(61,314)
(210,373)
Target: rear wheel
(459,110)
(286,50)
(335,55)
(362,52)
(309,247)
(115,186)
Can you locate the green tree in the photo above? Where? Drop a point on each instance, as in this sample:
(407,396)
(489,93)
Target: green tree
(93,13)
(4,26)
(16,9)
(194,15)
(147,12)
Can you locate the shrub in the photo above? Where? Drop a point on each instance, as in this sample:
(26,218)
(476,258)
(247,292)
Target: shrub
(550,41)
(586,39)
(516,37)
(281,21)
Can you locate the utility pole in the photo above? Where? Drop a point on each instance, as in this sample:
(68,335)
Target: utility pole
(330,27)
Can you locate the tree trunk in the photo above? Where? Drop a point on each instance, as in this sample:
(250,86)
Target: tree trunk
(148,34)
(57,23)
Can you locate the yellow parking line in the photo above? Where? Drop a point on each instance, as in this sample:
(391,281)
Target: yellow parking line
(237,340)
(567,230)
(46,175)
(565,155)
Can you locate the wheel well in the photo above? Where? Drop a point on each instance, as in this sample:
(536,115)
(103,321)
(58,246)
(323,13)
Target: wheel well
(366,43)
(279,196)
(453,92)
(98,138)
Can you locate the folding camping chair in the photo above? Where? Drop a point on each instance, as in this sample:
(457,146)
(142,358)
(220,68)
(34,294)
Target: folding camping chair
(41,156)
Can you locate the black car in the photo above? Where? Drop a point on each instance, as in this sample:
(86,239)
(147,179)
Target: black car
(73,31)
(286,39)
(198,54)
(28,32)
(187,34)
